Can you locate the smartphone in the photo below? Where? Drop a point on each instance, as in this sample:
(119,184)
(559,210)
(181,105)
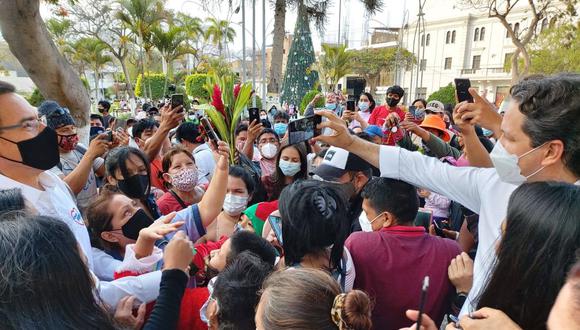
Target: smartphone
(303,129)
(439,226)
(462,87)
(413,111)
(276,224)
(176,100)
(209,132)
(254,115)
(110,136)
(350,105)
(424,289)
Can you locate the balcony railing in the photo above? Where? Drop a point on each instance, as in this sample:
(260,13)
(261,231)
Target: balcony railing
(469,71)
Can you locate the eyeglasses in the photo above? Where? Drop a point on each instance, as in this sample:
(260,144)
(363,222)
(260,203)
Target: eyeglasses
(26,123)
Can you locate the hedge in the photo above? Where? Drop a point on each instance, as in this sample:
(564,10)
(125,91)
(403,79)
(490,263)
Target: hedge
(157,81)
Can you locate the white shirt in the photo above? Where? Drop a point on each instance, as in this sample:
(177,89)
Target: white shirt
(478,189)
(204,161)
(56,201)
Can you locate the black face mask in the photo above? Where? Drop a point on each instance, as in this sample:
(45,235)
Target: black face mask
(40,152)
(138,221)
(391,102)
(134,186)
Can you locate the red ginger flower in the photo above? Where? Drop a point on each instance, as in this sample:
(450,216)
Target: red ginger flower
(217,101)
(237,88)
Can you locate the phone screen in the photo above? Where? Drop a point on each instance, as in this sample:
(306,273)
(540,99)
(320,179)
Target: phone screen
(209,132)
(462,88)
(439,228)
(412,111)
(176,100)
(276,224)
(254,115)
(303,129)
(350,105)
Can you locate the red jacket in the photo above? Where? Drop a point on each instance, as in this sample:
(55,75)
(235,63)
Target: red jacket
(378,118)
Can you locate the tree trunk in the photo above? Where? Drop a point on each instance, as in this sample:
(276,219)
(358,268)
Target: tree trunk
(515,72)
(129,85)
(29,41)
(277,47)
(96,75)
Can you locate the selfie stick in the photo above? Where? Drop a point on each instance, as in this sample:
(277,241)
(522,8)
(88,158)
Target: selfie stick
(423,298)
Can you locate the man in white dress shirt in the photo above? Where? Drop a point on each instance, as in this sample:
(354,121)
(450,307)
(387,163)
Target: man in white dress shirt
(28,149)
(540,141)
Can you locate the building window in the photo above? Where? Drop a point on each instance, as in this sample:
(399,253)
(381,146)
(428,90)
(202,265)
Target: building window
(517,29)
(422,40)
(421,93)
(507,33)
(476,62)
(428,39)
(423,65)
(476,35)
(507,61)
(447,37)
(448,63)
(482,34)
(453,37)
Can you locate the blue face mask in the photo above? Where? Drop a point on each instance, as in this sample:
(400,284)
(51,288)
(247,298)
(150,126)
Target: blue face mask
(280,128)
(330,106)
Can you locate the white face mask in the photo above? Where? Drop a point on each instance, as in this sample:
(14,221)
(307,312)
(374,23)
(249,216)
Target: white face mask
(289,168)
(366,224)
(506,164)
(234,204)
(269,150)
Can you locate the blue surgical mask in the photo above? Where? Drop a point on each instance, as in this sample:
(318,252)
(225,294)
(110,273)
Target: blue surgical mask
(330,106)
(363,106)
(280,128)
(289,168)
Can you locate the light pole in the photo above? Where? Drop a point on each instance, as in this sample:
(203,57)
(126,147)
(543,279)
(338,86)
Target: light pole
(243,41)
(254,53)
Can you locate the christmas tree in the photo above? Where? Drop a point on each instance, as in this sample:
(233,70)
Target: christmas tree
(299,78)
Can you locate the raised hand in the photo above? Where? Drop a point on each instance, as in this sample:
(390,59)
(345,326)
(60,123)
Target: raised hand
(124,314)
(340,137)
(178,253)
(481,112)
(460,272)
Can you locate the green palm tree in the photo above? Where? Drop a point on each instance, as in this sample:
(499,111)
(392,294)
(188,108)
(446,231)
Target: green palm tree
(92,52)
(219,33)
(333,64)
(171,44)
(140,17)
(59,30)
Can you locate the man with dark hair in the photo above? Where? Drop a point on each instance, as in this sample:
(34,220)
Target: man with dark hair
(152,138)
(6,88)
(79,167)
(281,120)
(393,256)
(189,136)
(538,140)
(103,107)
(235,296)
(388,115)
(28,149)
(352,174)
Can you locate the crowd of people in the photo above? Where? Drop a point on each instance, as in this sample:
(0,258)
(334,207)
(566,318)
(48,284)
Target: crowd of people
(428,216)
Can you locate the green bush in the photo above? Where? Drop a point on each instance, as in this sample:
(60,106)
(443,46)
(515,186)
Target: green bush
(35,98)
(195,86)
(445,94)
(157,82)
(307,98)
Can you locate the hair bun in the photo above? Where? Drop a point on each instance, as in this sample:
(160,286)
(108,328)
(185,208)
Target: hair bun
(357,310)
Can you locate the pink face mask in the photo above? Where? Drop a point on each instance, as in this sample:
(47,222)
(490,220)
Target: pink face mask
(185,180)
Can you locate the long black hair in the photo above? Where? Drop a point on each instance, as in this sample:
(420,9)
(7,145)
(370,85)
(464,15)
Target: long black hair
(45,283)
(538,248)
(314,217)
(278,178)
(372,103)
(117,160)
